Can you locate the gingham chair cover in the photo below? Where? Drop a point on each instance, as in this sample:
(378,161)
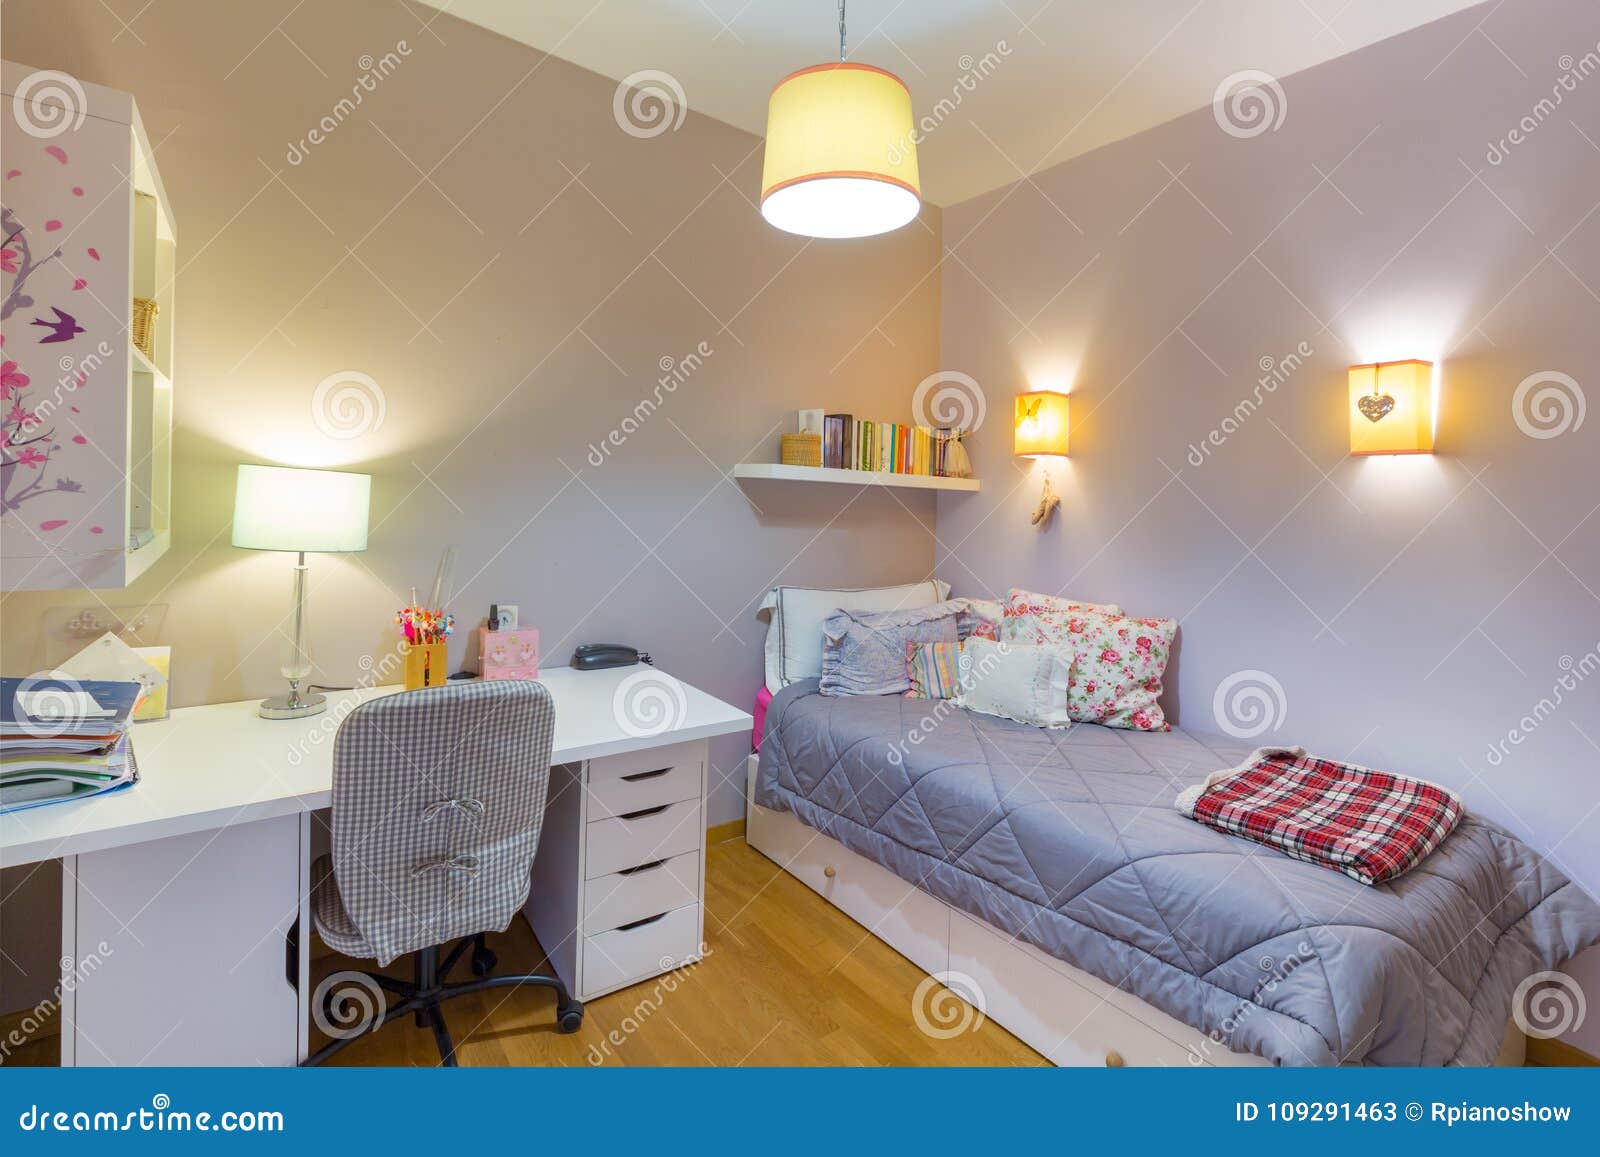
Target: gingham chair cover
(438,798)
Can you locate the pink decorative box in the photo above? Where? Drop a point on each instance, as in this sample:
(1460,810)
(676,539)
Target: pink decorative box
(508,654)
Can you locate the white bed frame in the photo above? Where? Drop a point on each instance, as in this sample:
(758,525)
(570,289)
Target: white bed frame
(1064,1013)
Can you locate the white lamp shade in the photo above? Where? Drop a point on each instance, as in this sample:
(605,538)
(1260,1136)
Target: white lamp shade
(281,508)
(841,154)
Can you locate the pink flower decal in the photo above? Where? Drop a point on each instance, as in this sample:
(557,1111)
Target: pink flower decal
(22,417)
(80,439)
(53,524)
(8,260)
(13,173)
(57,152)
(93,252)
(77,190)
(97,530)
(79,283)
(11,380)
(33,457)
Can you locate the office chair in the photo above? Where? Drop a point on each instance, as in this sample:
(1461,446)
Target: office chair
(438,798)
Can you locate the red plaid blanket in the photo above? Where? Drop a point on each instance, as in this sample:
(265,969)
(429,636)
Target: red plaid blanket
(1370,825)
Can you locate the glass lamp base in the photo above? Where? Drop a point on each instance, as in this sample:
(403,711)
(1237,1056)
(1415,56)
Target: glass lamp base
(292,706)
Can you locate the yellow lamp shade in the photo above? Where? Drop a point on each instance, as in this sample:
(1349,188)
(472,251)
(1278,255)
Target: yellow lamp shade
(841,157)
(1041,424)
(1391,408)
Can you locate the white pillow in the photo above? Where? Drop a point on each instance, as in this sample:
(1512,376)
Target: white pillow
(1018,681)
(794,633)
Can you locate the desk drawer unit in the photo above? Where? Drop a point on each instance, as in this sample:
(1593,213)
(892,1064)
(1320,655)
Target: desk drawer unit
(619,881)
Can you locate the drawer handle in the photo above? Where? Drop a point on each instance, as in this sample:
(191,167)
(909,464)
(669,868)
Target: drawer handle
(638,776)
(642,812)
(640,923)
(650,867)
(1113,1059)
(830,871)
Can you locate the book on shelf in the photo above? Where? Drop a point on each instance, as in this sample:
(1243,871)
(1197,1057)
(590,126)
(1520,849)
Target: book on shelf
(852,443)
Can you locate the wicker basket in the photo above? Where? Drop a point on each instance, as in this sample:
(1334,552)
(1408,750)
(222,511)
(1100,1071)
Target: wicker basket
(144,324)
(802,450)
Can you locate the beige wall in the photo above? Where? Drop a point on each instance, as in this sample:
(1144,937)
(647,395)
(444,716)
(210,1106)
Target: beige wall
(1417,611)
(514,308)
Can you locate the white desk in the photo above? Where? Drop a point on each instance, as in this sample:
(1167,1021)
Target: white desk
(185,900)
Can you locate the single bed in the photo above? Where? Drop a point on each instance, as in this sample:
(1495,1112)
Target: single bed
(1067,842)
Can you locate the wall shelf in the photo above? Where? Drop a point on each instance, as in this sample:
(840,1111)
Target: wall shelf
(773,472)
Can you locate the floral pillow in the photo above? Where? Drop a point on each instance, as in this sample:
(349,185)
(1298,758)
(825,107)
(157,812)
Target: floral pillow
(981,619)
(1117,668)
(1028,617)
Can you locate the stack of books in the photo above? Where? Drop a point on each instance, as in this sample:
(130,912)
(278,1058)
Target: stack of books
(62,739)
(851,443)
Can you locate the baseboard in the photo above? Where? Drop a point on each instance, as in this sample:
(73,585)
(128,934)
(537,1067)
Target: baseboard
(1558,1054)
(722,833)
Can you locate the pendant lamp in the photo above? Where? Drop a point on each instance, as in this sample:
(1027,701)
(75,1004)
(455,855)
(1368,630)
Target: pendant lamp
(841,155)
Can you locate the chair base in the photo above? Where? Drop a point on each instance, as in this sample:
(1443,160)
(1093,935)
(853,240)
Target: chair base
(423,998)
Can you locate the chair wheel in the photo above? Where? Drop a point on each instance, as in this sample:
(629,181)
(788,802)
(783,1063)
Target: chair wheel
(483,961)
(569,1017)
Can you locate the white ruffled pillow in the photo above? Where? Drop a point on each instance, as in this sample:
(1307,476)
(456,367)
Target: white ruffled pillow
(1016,681)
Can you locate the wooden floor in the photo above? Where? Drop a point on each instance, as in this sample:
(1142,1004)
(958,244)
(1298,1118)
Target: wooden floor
(787,980)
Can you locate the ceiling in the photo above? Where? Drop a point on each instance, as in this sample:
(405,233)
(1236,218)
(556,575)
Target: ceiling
(1022,84)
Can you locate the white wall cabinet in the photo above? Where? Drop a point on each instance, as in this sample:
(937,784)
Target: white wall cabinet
(86,416)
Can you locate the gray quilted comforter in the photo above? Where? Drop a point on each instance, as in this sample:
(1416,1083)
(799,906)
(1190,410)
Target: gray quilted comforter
(1069,840)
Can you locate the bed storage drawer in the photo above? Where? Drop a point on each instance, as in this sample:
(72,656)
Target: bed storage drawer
(1069,1016)
(648,787)
(909,920)
(656,833)
(649,948)
(638,893)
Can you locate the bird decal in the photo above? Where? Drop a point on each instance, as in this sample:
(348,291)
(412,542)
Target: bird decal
(64,328)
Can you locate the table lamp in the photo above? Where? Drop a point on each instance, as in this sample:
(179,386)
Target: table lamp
(280,508)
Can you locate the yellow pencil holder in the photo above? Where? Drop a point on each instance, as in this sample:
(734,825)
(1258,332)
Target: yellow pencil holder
(427,665)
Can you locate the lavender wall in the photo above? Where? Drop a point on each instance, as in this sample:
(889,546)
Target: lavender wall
(1416,612)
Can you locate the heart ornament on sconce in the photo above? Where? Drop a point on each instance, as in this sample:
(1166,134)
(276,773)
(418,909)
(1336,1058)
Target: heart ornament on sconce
(1375,407)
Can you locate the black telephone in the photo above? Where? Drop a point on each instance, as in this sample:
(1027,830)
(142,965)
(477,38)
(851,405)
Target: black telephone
(599,656)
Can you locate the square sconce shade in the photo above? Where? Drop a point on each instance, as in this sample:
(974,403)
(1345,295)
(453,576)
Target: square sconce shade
(283,508)
(1391,408)
(1041,424)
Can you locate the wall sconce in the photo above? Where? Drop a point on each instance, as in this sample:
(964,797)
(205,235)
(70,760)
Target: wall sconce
(1391,408)
(1041,432)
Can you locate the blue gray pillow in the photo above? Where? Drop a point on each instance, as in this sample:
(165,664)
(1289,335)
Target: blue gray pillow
(864,652)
